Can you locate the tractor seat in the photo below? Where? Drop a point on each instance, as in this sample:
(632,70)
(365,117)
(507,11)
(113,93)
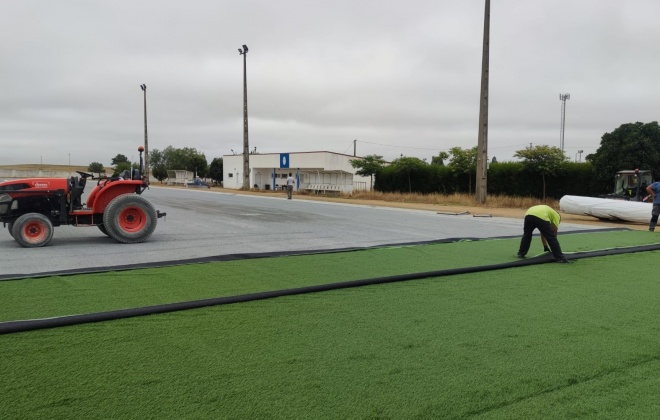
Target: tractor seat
(76,188)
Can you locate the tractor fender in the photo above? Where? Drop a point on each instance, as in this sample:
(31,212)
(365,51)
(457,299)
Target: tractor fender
(104,193)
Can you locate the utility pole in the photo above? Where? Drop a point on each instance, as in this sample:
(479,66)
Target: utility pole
(354,147)
(482,146)
(563,98)
(146,139)
(246,146)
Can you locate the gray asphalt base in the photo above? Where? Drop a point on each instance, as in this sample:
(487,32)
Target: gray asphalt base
(203,224)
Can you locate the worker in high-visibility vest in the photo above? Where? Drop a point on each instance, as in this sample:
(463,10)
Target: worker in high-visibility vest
(546,220)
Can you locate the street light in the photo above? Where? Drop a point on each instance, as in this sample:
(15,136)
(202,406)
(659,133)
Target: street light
(246,147)
(563,97)
(146,140)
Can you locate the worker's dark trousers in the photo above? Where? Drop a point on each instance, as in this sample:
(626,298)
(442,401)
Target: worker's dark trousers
(654,216)
(533,222)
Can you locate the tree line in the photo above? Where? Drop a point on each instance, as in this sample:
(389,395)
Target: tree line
(170,158)
(543,171)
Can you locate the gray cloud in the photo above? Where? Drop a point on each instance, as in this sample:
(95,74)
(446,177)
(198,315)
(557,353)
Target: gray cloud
(401,77)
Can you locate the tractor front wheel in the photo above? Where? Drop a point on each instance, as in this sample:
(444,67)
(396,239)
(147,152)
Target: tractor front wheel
(10,226)
(130,218)
(32,230)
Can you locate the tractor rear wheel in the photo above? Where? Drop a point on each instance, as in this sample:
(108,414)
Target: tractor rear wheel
(33,230)
(103,229)
(130,218)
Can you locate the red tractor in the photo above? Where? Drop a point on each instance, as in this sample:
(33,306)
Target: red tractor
(30,208)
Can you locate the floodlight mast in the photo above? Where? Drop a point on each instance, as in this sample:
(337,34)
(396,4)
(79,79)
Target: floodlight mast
(563,98)
(246,146)
(146,138)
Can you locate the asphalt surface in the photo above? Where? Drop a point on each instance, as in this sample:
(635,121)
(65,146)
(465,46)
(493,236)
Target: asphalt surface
(202,223)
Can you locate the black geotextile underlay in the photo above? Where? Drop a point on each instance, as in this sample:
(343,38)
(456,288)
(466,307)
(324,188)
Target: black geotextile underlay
(36,324)
(247,256)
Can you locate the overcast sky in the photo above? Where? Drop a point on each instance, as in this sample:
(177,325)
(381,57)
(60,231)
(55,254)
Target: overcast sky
(400,77)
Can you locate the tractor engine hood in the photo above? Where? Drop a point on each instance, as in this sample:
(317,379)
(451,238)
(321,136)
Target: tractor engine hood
(34,184)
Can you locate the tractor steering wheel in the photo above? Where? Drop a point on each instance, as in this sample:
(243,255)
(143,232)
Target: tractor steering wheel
(85,175)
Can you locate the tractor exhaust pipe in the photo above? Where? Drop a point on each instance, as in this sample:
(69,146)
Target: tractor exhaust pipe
(140,149)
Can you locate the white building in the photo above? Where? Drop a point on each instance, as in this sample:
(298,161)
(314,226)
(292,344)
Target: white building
(313,171)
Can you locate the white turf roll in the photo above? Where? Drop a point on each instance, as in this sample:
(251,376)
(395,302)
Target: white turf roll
(603,208)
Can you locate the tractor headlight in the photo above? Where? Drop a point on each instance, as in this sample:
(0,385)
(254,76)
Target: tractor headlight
(5,198)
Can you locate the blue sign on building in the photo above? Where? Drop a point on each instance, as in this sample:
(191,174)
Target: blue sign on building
(284,160)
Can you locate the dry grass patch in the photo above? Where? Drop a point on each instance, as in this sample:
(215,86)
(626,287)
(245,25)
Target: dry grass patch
(44,167)
(456,199)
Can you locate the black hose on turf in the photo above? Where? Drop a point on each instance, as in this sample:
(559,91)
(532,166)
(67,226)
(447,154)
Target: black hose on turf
(36,324)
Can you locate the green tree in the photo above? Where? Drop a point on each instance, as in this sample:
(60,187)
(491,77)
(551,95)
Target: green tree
(464,161)
(197,163)
(119,159)
(630,146)
(409,165)
(171,158)
(215,170)
(187,158)
(121,167)
(368,166)
(440,159)
(95,167)
(157,164)
(544,160)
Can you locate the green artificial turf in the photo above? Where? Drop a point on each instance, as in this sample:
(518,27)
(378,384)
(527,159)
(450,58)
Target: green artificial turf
(70,295)
(550,341)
